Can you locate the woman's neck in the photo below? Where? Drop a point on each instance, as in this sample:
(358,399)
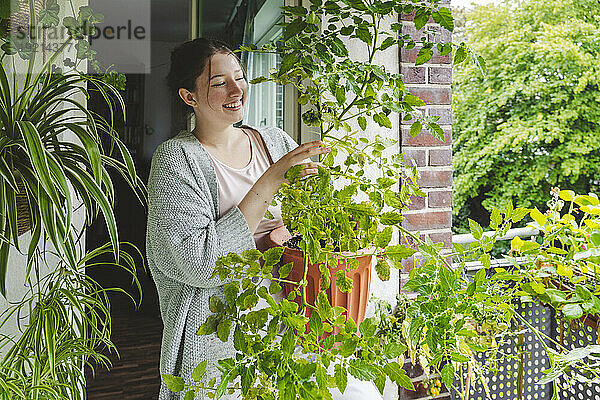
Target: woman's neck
(217,136)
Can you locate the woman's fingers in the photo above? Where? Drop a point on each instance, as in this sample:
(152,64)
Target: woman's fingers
(308,150)
(310,168)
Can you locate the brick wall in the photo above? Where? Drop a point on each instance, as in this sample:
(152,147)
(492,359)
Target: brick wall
(432,216)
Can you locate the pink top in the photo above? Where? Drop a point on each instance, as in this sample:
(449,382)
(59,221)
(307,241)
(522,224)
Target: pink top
(235,183)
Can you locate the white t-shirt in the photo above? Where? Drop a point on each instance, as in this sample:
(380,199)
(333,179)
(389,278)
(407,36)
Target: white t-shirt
(235,183)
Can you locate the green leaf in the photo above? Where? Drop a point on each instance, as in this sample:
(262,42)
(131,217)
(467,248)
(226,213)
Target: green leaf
(323,306)
(348,346)
(566,195)
(247,378)
(231,291)
(315,323)
(421,17)
(391,218)
(223,330)
(341,377)
(485,260)
(350,326)
(556,296)
(572,311)
(190,395)
(362,122)
(272,255)
(460,55)
(394,349)
(383,269)
(413,100)
(443,16)
(198,372)
(424,55)
(395,372)
(362,370)
(209,326)
(476,229)
(397,253)
(368,327)
(516,243)
(293,28)
(447,374)
(174,383)
(288,342)
(416,128)
(285,270)
(384,237)
(538,217)
(363,33)
(215,304)
(388,42)
(239,340)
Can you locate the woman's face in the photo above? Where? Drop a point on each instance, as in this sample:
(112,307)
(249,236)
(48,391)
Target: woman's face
(221,97)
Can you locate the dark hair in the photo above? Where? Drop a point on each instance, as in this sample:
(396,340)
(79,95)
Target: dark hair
(188,61)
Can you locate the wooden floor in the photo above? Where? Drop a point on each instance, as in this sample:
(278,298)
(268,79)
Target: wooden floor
(133,376)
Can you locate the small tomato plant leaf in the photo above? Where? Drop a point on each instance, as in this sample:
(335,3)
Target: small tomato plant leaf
(173,383)
(447,374)
(198,372)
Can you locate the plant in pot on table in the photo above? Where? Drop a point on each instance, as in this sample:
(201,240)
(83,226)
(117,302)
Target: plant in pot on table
(53,158)
(348,209)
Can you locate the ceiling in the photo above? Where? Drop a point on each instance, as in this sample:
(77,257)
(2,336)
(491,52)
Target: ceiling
(171,18)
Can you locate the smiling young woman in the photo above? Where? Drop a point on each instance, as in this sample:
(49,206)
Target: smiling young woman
(208,192)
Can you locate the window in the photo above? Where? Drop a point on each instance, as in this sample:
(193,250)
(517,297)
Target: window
(265,100)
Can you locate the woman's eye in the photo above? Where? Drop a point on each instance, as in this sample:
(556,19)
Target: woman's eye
(219,84)
(240,78)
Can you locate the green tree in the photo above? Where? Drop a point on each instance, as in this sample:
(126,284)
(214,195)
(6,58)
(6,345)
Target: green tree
(533,121)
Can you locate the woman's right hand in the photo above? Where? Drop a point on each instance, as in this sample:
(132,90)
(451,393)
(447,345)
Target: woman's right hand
(255,203)
(276,172)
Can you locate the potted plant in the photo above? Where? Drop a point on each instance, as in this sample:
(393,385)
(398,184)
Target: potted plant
(53,155)
(343,217)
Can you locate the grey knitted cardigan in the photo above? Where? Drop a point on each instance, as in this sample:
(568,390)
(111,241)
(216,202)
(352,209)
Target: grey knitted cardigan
(184,238)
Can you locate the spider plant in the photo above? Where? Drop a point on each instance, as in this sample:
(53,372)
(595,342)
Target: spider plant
(58,154)
(67,326)
(37,115)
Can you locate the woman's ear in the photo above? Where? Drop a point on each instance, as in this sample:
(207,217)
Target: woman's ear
(187,97)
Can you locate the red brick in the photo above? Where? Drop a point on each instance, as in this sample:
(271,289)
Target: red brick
(413,74)
(411,17)
(440,199)
(441,75)
(409,119)
(441,35)
(407,265)
(418,155)
(428,220)
(438,237)
(439,157)
(430,96)
(425,138)
(411,30)
(444,113)
(435,179)
(410,56)
(418,203)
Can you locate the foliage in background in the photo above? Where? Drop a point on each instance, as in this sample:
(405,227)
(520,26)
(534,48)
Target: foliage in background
(533,122)
(57,154)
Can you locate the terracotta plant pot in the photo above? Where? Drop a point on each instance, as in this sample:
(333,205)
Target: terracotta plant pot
(354,302)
